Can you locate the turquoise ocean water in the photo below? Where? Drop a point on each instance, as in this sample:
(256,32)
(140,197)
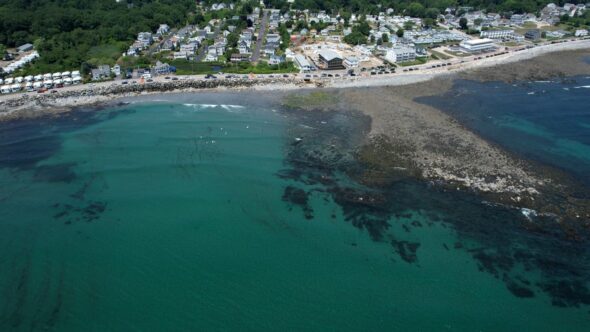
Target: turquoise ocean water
(177,216)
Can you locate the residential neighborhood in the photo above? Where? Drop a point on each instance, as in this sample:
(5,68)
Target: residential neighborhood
(270,40)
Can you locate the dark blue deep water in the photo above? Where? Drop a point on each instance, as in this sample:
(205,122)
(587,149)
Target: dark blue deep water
(547,121)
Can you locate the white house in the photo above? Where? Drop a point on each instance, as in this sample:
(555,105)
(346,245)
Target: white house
(302,63)
(351,62)
(163,29)
(276,59)
(400,54)
(477,45)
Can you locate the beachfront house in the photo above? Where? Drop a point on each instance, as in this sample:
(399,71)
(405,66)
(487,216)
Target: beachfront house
(400,54)
(533,34)
(116,70)
(101,73)
(328,60)
(351,62)
(302,63)
(162,68)
(276,59)
(477,45)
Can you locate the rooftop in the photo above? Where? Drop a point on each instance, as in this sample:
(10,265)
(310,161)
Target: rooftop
(478,41)
(329,55)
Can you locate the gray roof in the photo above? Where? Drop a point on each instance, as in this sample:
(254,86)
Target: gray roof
(329,55)
(302,61)
(25,47)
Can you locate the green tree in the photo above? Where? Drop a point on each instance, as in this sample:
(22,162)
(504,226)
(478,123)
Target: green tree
(385,37)
(232,39)
(463,23)
(415,9)
(400,33)
(355,38)
(431,13)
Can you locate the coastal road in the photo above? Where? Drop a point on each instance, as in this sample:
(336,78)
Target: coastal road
(261,34)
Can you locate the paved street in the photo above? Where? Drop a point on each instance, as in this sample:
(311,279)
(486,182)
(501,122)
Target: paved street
(260,39)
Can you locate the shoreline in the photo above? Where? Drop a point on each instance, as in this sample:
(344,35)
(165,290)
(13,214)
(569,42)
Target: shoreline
(405,138)
(28,104)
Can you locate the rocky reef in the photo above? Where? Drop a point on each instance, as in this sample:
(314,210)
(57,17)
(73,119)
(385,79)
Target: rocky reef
(390,167)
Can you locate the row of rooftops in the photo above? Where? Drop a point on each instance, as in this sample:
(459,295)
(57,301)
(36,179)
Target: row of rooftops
(42,77)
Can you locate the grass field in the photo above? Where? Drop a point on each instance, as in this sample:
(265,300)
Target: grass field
(418,61)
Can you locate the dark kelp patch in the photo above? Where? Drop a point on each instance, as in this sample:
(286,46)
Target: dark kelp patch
(406,250)
(299,197)
(25,142)
(88,212)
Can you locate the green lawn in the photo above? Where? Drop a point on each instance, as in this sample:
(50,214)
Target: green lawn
(106,53)
(529,25)
(418,61)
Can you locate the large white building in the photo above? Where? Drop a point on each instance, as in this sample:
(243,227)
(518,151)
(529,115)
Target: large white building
(477,45)
(400,54)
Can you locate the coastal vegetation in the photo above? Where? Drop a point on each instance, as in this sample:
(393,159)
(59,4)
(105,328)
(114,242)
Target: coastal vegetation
(83,35)
(68,33)
(185,67)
